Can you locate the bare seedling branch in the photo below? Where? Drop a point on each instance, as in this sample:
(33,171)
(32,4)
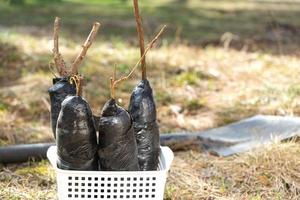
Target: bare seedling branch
(114,82)
(85,47)
(58,60)
(140,31)
(80,84)
(150,45)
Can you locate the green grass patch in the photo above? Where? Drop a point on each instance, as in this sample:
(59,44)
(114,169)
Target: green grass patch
(195,20)
(40,168)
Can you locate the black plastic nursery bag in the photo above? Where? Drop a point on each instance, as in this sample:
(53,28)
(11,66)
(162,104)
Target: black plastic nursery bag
(76,137)
(143,112)
(117,145)
(58,92)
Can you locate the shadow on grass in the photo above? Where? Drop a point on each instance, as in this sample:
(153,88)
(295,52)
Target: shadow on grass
(265,24)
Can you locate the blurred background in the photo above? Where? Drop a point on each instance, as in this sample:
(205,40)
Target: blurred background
(218,61)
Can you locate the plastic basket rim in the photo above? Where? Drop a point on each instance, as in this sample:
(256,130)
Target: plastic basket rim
(52,150)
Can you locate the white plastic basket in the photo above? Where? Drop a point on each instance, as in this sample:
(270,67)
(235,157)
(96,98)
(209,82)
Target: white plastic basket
(111,185)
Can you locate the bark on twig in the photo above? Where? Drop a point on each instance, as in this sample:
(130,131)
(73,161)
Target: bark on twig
(58,60)
(85,47)
(140,32)
(80,84)
(114,82)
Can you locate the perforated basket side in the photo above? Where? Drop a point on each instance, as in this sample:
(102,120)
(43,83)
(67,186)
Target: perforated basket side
(112,185)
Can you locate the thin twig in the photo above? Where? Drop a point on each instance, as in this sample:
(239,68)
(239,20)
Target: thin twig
(112,89)
(58,60)
(80,84)
(114,82)
(140,31)
(150,45)
(85,47)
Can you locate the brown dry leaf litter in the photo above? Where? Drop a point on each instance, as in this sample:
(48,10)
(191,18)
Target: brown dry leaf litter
(270,173)
(195,89)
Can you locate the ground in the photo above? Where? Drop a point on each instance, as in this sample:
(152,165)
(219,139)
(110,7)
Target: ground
(218,62)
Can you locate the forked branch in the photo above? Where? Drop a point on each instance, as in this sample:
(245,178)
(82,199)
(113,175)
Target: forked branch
(58,60)
(114,82)
(85,47)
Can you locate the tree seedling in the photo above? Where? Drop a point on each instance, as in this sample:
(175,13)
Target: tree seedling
(62,86)
(117,144)
(143,111)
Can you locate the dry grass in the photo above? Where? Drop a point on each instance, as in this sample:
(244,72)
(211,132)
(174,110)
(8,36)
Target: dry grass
(195,88)
(270,173)
(214,86)
(27,181)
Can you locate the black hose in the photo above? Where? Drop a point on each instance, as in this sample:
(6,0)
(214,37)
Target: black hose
(25,152)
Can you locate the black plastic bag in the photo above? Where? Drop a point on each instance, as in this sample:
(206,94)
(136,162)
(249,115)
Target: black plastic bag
(143,112)
(117,145)
(76,137)
(58,92)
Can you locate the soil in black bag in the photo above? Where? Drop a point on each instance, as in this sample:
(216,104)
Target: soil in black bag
(58,92)
(76,137)
(143,112)
(117,145)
